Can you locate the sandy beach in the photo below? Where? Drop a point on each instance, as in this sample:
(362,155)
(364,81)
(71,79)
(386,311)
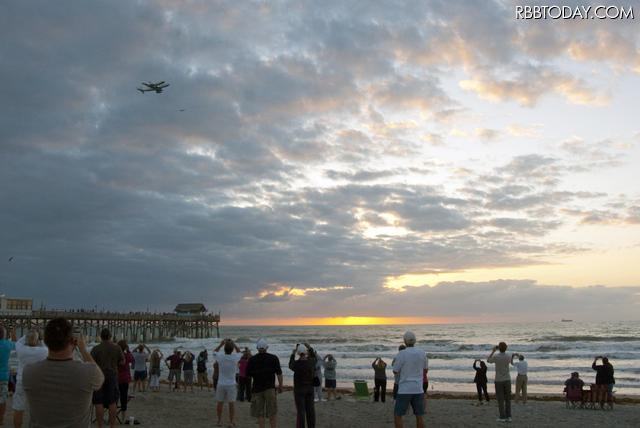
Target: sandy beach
(175,409)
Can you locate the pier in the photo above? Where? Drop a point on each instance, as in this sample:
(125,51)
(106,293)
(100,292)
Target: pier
(133,327)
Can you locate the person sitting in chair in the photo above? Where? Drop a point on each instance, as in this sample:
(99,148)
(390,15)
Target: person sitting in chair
(574,380)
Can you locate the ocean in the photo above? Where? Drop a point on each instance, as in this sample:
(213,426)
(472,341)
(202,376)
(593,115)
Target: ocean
(552,349)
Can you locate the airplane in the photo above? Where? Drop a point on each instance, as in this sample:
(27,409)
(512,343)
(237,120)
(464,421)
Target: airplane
(150,86)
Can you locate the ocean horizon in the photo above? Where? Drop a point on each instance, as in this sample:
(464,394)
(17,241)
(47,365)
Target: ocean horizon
(552,349)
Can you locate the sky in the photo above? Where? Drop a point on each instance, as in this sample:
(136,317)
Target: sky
(321,161)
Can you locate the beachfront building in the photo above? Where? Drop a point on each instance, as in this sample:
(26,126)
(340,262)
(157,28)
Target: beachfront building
(190,309)
(11,306)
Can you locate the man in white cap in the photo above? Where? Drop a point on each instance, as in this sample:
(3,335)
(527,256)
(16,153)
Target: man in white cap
(263,368)
(410,365)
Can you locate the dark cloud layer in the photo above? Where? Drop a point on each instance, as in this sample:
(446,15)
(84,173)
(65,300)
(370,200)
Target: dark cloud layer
(278,157)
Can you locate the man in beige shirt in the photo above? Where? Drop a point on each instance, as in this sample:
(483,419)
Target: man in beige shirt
(59,389)
(502,381)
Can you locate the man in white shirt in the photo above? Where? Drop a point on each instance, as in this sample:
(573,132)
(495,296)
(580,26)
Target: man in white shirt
(410,365)
(29,349)
(521,380)
(228,366)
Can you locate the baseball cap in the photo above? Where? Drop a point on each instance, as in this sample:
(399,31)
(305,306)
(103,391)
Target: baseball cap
(262,344)
(409,338)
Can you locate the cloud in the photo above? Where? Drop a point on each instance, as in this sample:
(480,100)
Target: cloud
(634,215)
(483,133)
(606,45)
(530,85)
(599,154)
(518,301)
(301,147)
(406,92)
(528,130)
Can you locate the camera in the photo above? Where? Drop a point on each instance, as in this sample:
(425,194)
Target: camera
(76,332)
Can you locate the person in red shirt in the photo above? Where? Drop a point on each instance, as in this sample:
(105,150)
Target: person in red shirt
(124,377)
(174,362)
(244,381)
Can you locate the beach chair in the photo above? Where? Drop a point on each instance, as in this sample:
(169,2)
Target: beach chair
(605,398)
(592,397)
(600,398)
(361,388)
(574,397)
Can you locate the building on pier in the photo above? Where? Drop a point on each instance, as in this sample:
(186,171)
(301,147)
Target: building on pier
(12,306)
(190,309)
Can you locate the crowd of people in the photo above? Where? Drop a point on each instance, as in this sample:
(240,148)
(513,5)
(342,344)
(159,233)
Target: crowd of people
(60,390)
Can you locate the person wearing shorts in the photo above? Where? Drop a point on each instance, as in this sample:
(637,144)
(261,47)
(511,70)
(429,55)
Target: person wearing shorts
(228,363)
(187,370)
(329,364)
(201,366)
(174,362)
(108,356)
(410,364)
(154,372)
(140,367)
(264,405)
(263,369)
(140,376)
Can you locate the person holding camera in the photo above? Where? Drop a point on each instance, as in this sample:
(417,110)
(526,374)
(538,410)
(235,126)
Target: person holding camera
(174,363)
(329,364)
(29,349)
(59,388)
(303,372)
(521,379)
(480,379)
(124,377)
(228,364)
(604,373)
(140,367)
(154,373)
(502,381)
(379,379)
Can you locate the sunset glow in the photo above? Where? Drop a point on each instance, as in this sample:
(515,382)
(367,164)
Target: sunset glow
(349,320)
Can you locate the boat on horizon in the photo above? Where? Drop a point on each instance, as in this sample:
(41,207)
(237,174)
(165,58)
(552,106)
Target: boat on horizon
(565,320)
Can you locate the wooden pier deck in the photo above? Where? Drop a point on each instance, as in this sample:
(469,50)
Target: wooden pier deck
(132,326)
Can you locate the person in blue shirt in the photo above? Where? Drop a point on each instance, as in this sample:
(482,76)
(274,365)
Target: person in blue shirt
(6,346)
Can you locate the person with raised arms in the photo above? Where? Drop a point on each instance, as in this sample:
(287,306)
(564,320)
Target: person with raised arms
(59,389)
(228,363)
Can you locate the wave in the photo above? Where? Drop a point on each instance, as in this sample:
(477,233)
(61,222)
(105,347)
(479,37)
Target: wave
(551,348)
(436,342)
(585,339)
